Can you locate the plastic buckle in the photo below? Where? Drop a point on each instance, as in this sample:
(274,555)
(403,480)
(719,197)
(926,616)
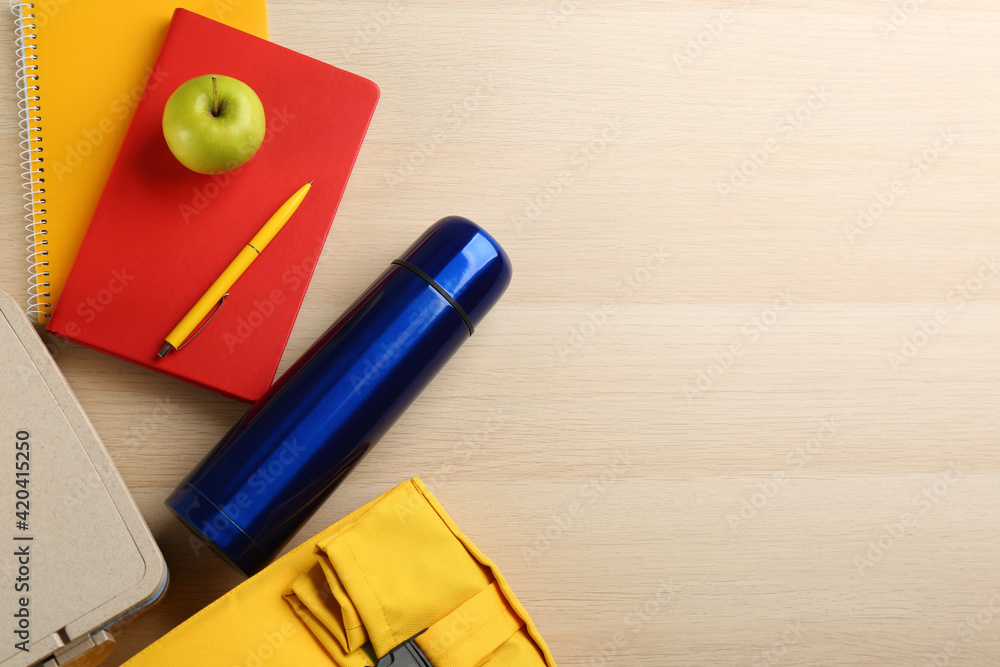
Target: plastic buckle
(407,654)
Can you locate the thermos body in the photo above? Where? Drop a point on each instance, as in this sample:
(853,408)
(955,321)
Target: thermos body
(276,466)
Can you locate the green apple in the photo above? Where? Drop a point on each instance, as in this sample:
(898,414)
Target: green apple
(213,123)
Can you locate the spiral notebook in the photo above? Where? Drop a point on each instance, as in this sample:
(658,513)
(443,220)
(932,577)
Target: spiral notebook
(81,68)
(162,234)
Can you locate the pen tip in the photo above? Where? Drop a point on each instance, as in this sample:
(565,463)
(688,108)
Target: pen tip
(310,182)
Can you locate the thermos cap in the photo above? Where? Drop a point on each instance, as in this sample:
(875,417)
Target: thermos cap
(462,259)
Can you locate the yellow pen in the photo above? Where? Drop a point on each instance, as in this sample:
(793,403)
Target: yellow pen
(219,289)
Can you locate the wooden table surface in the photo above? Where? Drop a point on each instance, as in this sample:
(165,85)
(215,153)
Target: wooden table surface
(740,402)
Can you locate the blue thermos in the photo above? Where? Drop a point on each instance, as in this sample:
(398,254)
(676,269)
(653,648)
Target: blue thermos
(277,465)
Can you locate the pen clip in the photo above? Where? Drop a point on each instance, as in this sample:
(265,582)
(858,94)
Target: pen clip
(210,318)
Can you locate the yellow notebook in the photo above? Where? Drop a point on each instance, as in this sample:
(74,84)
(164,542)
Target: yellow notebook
(82,68)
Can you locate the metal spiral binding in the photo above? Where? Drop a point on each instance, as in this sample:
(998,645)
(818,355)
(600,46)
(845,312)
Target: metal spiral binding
(29,110)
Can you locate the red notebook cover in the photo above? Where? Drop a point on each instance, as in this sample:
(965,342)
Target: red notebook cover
(162,234)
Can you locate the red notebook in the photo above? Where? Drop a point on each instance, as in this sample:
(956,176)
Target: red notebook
(162,234)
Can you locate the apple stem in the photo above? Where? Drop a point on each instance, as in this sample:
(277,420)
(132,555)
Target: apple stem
(215,91)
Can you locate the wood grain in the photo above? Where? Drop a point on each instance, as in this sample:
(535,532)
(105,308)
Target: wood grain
(775,417)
